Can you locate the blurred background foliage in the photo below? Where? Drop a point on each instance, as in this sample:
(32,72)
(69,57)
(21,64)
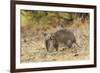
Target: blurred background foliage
(38,20)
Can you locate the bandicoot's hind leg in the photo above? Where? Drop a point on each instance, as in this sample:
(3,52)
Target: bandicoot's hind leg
(69,43)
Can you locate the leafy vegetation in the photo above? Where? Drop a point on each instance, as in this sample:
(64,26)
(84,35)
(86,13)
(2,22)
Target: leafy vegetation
(44,19)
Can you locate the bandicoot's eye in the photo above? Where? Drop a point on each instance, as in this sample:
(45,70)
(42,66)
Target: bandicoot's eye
(50,38)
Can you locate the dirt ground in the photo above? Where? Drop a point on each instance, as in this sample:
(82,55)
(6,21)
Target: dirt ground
(33,47)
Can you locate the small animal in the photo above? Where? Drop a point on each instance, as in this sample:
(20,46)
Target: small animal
(62,36)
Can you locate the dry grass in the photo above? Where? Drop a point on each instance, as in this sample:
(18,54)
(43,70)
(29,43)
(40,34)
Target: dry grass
(33,48)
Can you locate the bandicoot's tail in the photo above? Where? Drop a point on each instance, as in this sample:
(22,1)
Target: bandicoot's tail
(77,45)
